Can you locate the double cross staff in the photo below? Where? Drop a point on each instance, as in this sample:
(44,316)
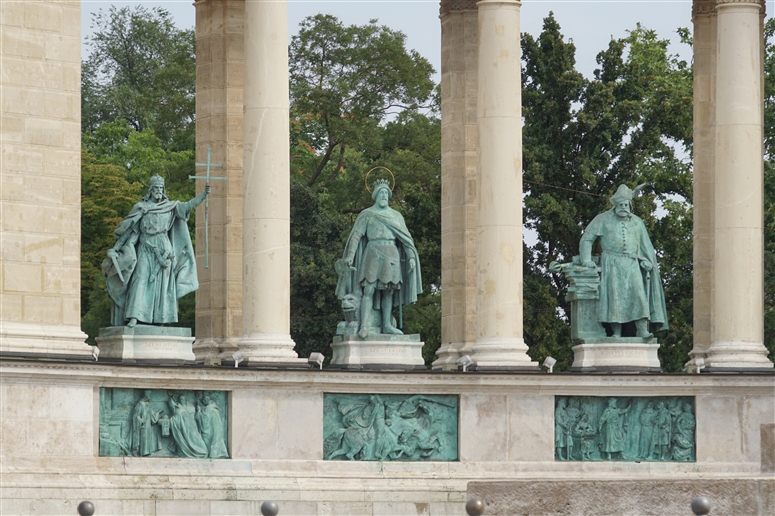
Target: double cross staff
(207,179)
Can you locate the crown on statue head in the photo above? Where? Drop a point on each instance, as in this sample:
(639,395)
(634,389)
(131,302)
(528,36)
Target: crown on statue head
(381,183)
(156,180)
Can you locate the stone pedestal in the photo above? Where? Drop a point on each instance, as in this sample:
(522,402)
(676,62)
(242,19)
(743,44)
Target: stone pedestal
(149,344)
(623,354)
(378,352)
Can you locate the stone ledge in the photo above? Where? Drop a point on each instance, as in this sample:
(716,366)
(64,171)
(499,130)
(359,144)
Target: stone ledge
(739,496)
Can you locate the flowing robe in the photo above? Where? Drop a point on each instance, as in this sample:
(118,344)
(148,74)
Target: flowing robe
(627,292)
(185,432)
(210,424)
(145,439)
(384,260)
(151,234)
(683,439)
(612,430)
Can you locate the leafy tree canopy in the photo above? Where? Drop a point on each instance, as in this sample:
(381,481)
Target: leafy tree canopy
(630,123)
(344,81)
(140,69)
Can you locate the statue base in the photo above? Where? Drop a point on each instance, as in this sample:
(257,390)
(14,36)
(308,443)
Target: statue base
(145,344)
(377,352)
(620,355)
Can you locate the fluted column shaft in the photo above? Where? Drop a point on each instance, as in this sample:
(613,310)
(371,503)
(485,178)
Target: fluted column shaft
(266,187)
(738,331)
(499,342)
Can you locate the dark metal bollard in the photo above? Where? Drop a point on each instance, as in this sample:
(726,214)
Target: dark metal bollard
(85,508)
(270,508)
(701,505)
(475,506)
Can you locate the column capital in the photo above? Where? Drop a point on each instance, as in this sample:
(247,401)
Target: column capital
(448,6)
(703,8)
(761,4)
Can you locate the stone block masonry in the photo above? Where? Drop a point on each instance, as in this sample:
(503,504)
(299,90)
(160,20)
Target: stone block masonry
(40,165)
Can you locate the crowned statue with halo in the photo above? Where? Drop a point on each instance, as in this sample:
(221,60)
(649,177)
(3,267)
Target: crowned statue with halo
(379,271)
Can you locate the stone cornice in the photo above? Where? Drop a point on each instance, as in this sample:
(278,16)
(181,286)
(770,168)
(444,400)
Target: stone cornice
(447,6)
(228,378)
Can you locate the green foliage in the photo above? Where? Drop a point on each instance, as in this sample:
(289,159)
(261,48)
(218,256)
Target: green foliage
(631,123)
(344,81)
(141,69)
(769,187)
(106,197)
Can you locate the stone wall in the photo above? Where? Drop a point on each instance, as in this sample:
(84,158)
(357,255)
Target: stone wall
(729,497)
(40,165)
(50,441)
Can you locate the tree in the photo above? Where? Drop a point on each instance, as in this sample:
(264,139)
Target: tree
(140,69)
(344,81)
(631,123)
(769,187)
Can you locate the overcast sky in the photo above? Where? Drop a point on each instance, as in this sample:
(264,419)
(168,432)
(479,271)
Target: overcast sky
(589,23)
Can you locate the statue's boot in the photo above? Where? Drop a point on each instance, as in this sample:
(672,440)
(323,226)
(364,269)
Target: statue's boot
(616,328)
(132,323)
(389,329)
(642,329)
(364,332)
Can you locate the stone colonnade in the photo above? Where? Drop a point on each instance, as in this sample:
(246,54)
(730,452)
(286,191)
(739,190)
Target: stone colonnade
(481,160)
(728,185)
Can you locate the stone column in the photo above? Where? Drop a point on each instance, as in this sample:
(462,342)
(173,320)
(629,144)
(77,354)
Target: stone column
(220,27)
(499,343)
(459,137)
(738,331)
(704,18)
(266,188)
(40,178)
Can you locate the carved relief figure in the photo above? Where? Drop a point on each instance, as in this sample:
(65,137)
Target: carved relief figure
(611,427)
(184,429)
(154,423)
(683,449)
(647,424)
(562,431)
(645,429)
(663,434)
(380,267)
(152,264)
(208,415)
(145,436)
(370,428)
(586,431)
(630,285)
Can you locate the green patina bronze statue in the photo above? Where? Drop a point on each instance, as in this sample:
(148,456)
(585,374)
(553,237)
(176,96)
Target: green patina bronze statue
(630,288)
(152,264)
(380,269)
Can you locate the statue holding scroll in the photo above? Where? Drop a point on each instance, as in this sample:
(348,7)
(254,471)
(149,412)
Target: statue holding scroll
(630,288)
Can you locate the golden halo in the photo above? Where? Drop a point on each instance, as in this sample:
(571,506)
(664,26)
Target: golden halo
(366,179)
